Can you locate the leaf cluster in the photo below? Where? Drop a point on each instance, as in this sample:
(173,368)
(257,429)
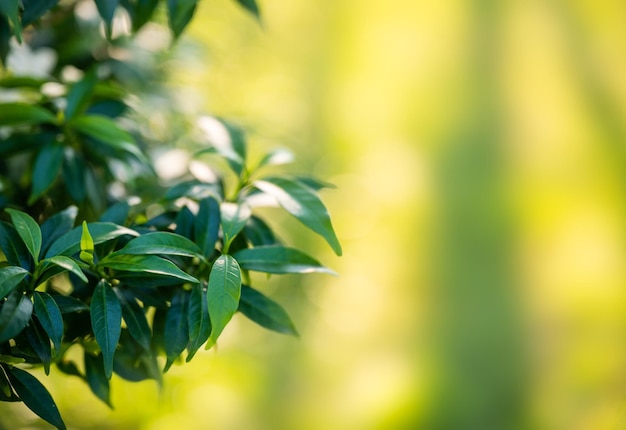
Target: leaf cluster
(136,279)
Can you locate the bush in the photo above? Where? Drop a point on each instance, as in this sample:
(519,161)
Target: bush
(92,236)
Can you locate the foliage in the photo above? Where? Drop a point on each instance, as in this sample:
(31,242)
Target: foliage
(101,254)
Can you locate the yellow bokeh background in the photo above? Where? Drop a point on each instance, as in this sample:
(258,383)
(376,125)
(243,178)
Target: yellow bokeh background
(479,154)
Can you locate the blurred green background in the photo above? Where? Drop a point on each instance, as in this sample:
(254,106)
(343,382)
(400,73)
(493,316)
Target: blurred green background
(479,153)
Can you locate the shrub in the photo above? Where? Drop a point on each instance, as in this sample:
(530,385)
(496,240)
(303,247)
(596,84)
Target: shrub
(91,236)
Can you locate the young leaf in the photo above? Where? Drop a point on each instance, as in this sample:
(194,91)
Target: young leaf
(162,243)
(10,277)
(304,204)
(49,316)
(13,114)
(69,243)
(46,169)
(198,319)
(207,225)
(265,312)
(234,217)
(14,315)
(86,245)
(278,260)
(106,322)
(35,396)
(28,230)
(96,378)
(223,294)
(56,226)
(135,319)
(149,264)
(176,328)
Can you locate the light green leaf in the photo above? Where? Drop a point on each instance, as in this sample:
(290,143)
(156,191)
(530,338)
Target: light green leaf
(10,277)
(304,204)
(234,217)
(35,396)
(162,243)
(49,316)
(29,231)
(278,259)
(86,245)
(69,243)
(265,312)
(143,264)
(223,294)
(18,113)
(106,322)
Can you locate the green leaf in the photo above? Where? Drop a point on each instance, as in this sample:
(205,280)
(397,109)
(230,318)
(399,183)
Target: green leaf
(86,245)
(79,94)
(14,315)
(278,259)
(46,169)
(258,233)
(207,225)
(234,217)
(140,11)
(223,294)
(34,9)
(149,264)
(116,214)
(101,232)
(265,312)
(10,9)
(106,9)
(228,141)
(96,378)
(162,243)
(56,226)
(135,319)
(35,396)
(198,319)
(180,13)
(29,231)
(276,157)
(18,113)
(62,262)
(251,6)
(304,204)
(69,304)
(40,343)
(106,131)
(106,322)
(176,328)
(74,171)
(49,316)
(13,247)
(10,277)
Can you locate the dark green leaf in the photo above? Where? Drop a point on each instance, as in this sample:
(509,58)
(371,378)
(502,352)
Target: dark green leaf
(180,13)
(34,9)
(198,319)
(313,183)
(101,232)
(49,316)
(21,81)
(69,368)
(304,204)
(116,214)
(24,114)
(259,233)
(40,343)
(10,9)
(149,264)
(29,231)
(140,11)
(135,319)
(161,243)
(251,6)
(56,226)
(133,363)
(46,169)
(79,94)
(207,225)
(265,312)
(176,328)
(68,304)
(106,322)
(14,248)
(35,396)
(106,9)
(96,378)
(63,262)
(14,315)
(6,391)
(185,223)
(74,170)
(279,260)
(223,294)
(234,217)
(10,277)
